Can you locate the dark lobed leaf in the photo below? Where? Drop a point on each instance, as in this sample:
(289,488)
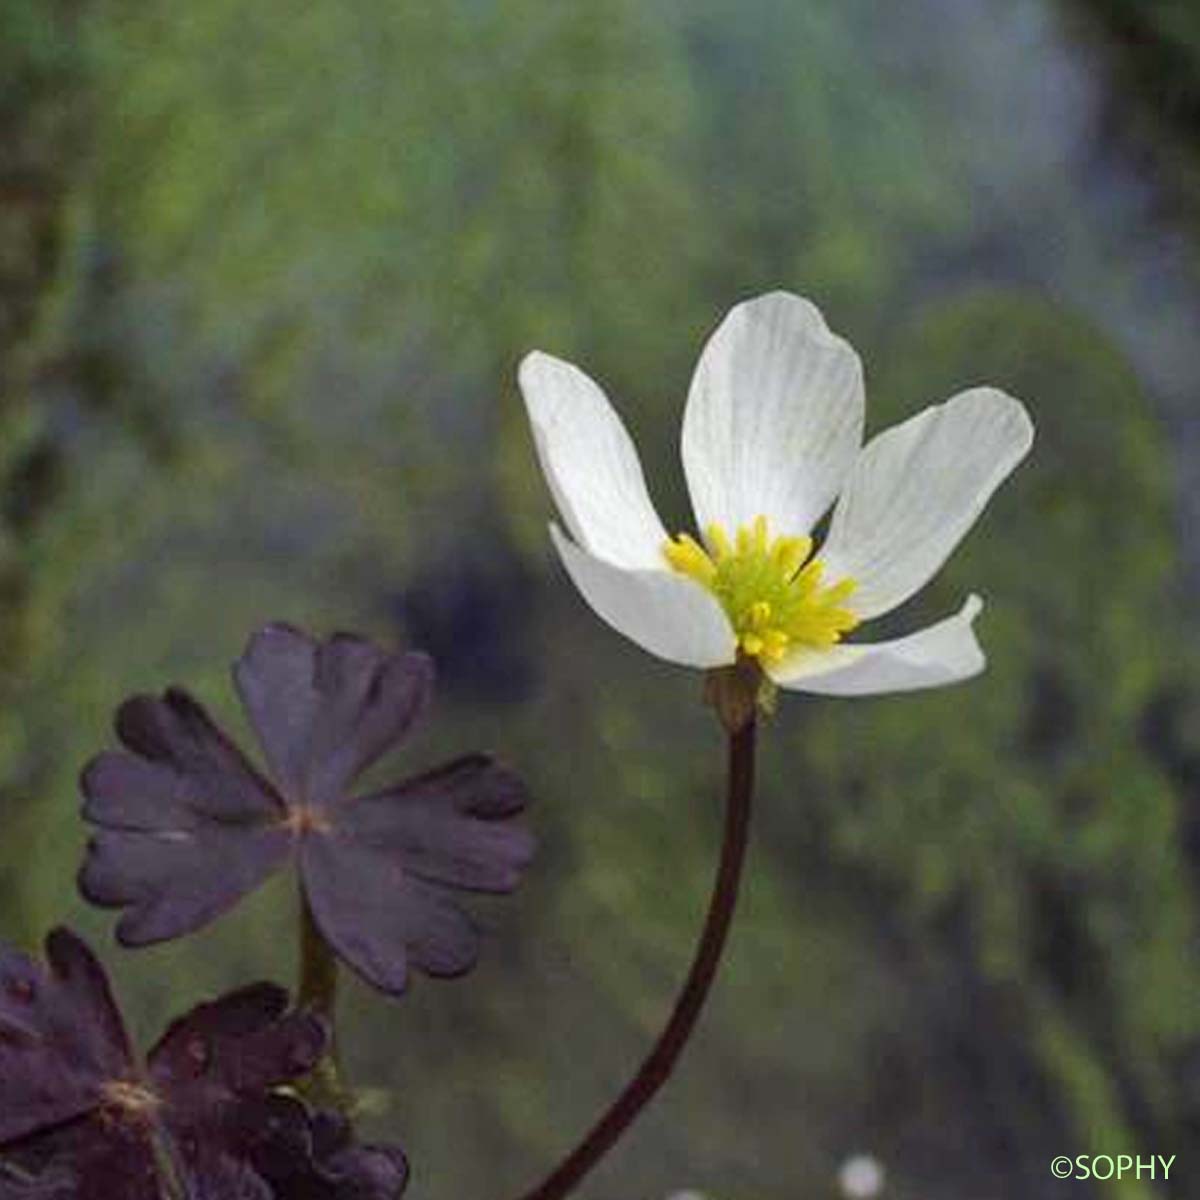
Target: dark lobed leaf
(243,1044)
(187,826)
(61,1036)
(217,1176)
(79,1119)
(169,884)
(310,1154)
(380,878)
(104,1157)
(380,919)
(54,1184)
(101,1158)
(202,771)
(324,711)
(448,826)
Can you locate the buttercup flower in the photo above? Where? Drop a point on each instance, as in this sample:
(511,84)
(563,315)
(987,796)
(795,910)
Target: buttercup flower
(187,825)
(80,1116)
(772,436)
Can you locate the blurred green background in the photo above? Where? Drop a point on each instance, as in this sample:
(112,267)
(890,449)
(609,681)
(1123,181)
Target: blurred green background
(265,274)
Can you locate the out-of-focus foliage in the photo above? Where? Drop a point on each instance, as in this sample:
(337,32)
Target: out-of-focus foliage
(1157,42)
(1151,47)
(273,379)
(43,146)
(1060,870)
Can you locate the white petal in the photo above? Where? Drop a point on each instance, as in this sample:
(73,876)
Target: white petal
(774,417)
(666,614)
(590,464)
(939,654)
(915,491)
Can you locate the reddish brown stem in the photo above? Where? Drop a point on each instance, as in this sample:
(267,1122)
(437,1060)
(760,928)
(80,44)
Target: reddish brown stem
(658,1065)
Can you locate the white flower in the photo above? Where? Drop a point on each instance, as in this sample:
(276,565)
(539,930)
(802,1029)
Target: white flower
(861,1177)
(772,436)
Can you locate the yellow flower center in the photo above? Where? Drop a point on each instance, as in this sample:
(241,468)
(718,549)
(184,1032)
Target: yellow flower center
(770,588)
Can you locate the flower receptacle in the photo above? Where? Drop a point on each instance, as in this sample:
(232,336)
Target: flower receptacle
(739,692)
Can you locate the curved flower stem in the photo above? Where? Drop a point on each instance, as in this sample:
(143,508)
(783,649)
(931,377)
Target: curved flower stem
(317,992)
(658,1065)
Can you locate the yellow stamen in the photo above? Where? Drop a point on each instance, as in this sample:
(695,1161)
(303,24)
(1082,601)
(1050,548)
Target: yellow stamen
(718,540)
(758,614)
(686,555)
(770,587)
